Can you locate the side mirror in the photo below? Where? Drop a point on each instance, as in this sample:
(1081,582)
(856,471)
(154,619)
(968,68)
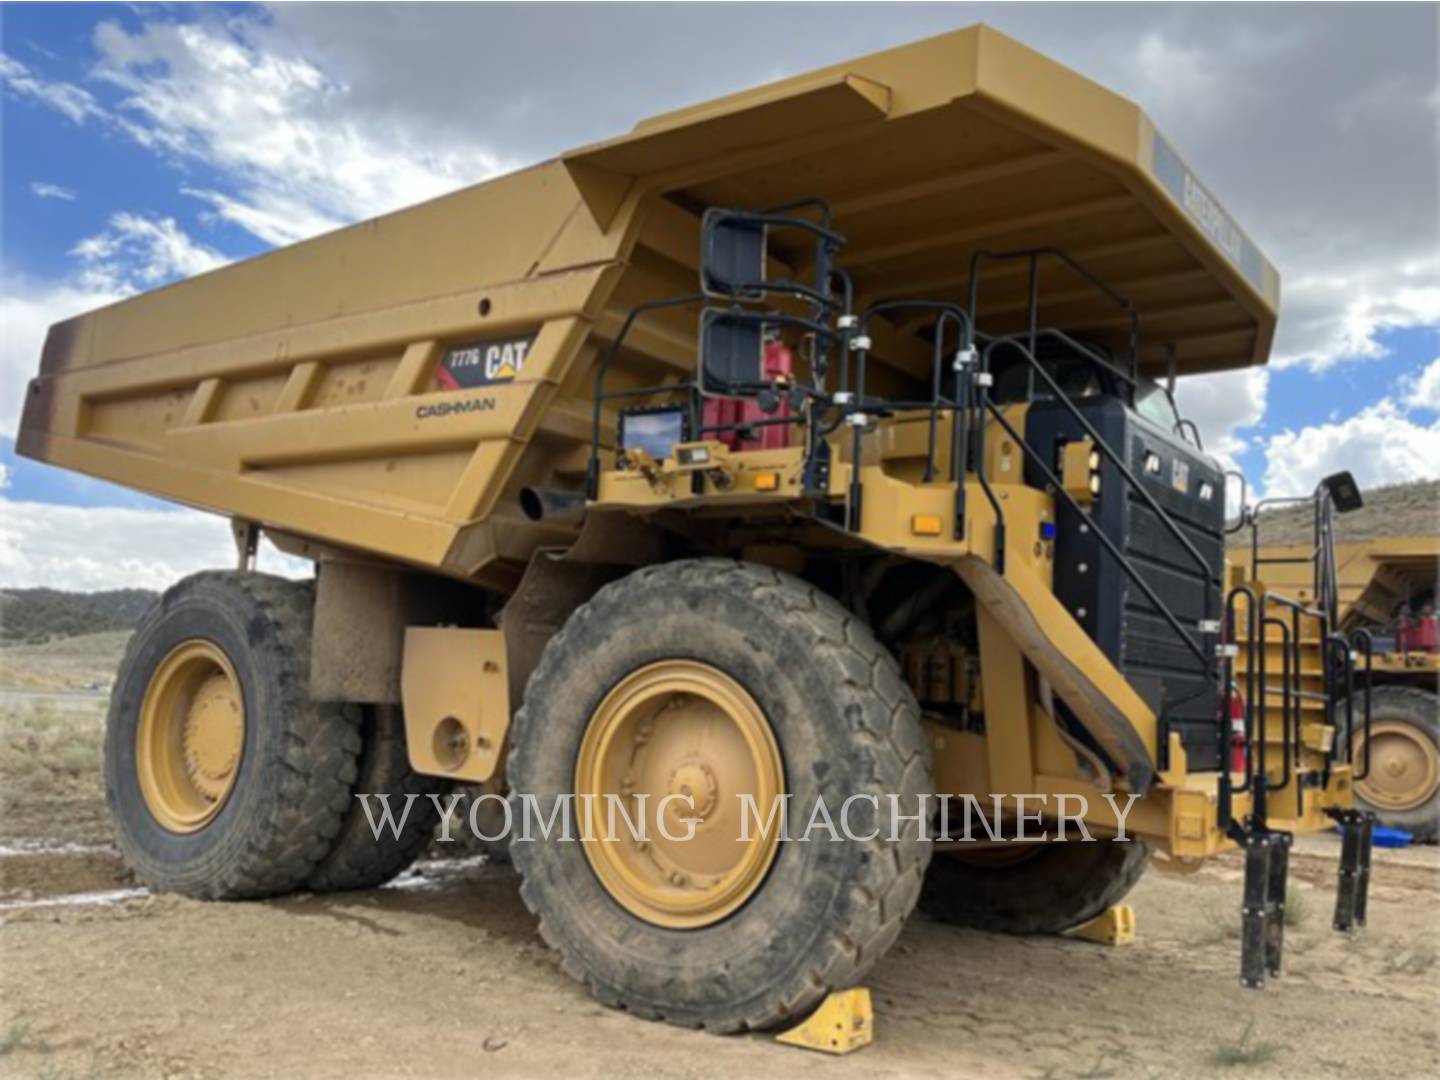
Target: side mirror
(1344,492)
(732,351)
(732,256)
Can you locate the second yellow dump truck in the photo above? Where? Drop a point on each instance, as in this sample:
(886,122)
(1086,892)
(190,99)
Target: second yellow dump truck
(1387,563)
(812,449)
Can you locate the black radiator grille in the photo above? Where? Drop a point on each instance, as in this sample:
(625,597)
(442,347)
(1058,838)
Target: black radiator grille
(1107,603)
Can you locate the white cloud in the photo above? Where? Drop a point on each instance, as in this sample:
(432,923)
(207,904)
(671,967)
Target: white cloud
(65,98)
(132,253)
(276,126)
(42,190)
(1380,445)
(1423,391)
(277,220)
(1340,315)
(135,252)
(27,311)
(1172,71)
(285,137)
(4,476)
(1223,405)
(67,547)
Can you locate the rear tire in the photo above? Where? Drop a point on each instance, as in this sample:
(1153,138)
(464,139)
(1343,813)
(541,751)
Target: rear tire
(360,859)
(1060,887)
(844,723)
(488,821)
(1403,787)
(267,808)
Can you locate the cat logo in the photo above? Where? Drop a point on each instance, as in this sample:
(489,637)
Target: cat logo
(1180,476)
(483,363)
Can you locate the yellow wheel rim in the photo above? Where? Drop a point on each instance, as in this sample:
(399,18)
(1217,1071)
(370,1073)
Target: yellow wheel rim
(1404,766)
(191,736)
(683,728)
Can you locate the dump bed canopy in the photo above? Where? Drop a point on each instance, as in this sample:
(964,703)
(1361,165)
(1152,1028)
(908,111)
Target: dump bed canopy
(966,142)
(308,389)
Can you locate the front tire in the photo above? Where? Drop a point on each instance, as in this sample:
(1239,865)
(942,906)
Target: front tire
(224,780)
(732,655)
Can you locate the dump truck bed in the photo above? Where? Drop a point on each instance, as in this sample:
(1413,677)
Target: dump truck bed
(1375,577)
(390,387)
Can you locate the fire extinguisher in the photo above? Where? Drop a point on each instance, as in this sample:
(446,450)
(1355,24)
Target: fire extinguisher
(1239,748)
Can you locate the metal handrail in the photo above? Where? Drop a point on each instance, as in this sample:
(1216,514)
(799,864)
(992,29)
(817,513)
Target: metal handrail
(1286,675)
(947,313)
(1227,786)
(1364,637)
(1185,424)
(1322,549)
(1033,307)
(1241,520)
(592,468)
(958,404)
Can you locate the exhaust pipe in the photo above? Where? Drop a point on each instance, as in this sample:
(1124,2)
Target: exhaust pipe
(552,506)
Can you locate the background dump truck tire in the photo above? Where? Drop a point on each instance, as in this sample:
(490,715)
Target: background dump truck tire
(489,821)
(1059,887)
(1408,799)
(844,722)
(360,860)
(221,664)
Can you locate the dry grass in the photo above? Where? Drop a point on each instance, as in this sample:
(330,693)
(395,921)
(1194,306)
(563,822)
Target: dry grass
(13,1037)
(51,785)
(1419,959)
(87,662)
(1297,907)
(1247,1052)
(1397,510)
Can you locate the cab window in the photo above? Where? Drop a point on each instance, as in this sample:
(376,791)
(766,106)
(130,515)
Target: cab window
(1153,403)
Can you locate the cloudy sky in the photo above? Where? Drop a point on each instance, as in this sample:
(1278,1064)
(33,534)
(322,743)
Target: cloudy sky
(143,143)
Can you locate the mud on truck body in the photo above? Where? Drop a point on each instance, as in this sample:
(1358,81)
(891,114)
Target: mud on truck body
(814,441)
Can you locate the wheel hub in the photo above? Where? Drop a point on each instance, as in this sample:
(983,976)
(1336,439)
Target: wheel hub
(214,732)
(694,782)
(191,736)
(684,729)
(1404,766)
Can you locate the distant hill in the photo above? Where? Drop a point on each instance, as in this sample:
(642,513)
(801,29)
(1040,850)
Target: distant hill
(1396,510)
(36,615)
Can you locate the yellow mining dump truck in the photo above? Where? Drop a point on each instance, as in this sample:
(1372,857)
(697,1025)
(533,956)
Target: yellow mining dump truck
(800,449)
(1383,592)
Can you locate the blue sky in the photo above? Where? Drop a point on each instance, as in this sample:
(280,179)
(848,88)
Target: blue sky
(142,143)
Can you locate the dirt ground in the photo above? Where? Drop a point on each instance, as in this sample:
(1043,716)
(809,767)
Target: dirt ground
(442,974)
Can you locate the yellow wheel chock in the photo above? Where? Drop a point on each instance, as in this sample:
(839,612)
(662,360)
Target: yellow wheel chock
(844,1022)
(1116,926)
